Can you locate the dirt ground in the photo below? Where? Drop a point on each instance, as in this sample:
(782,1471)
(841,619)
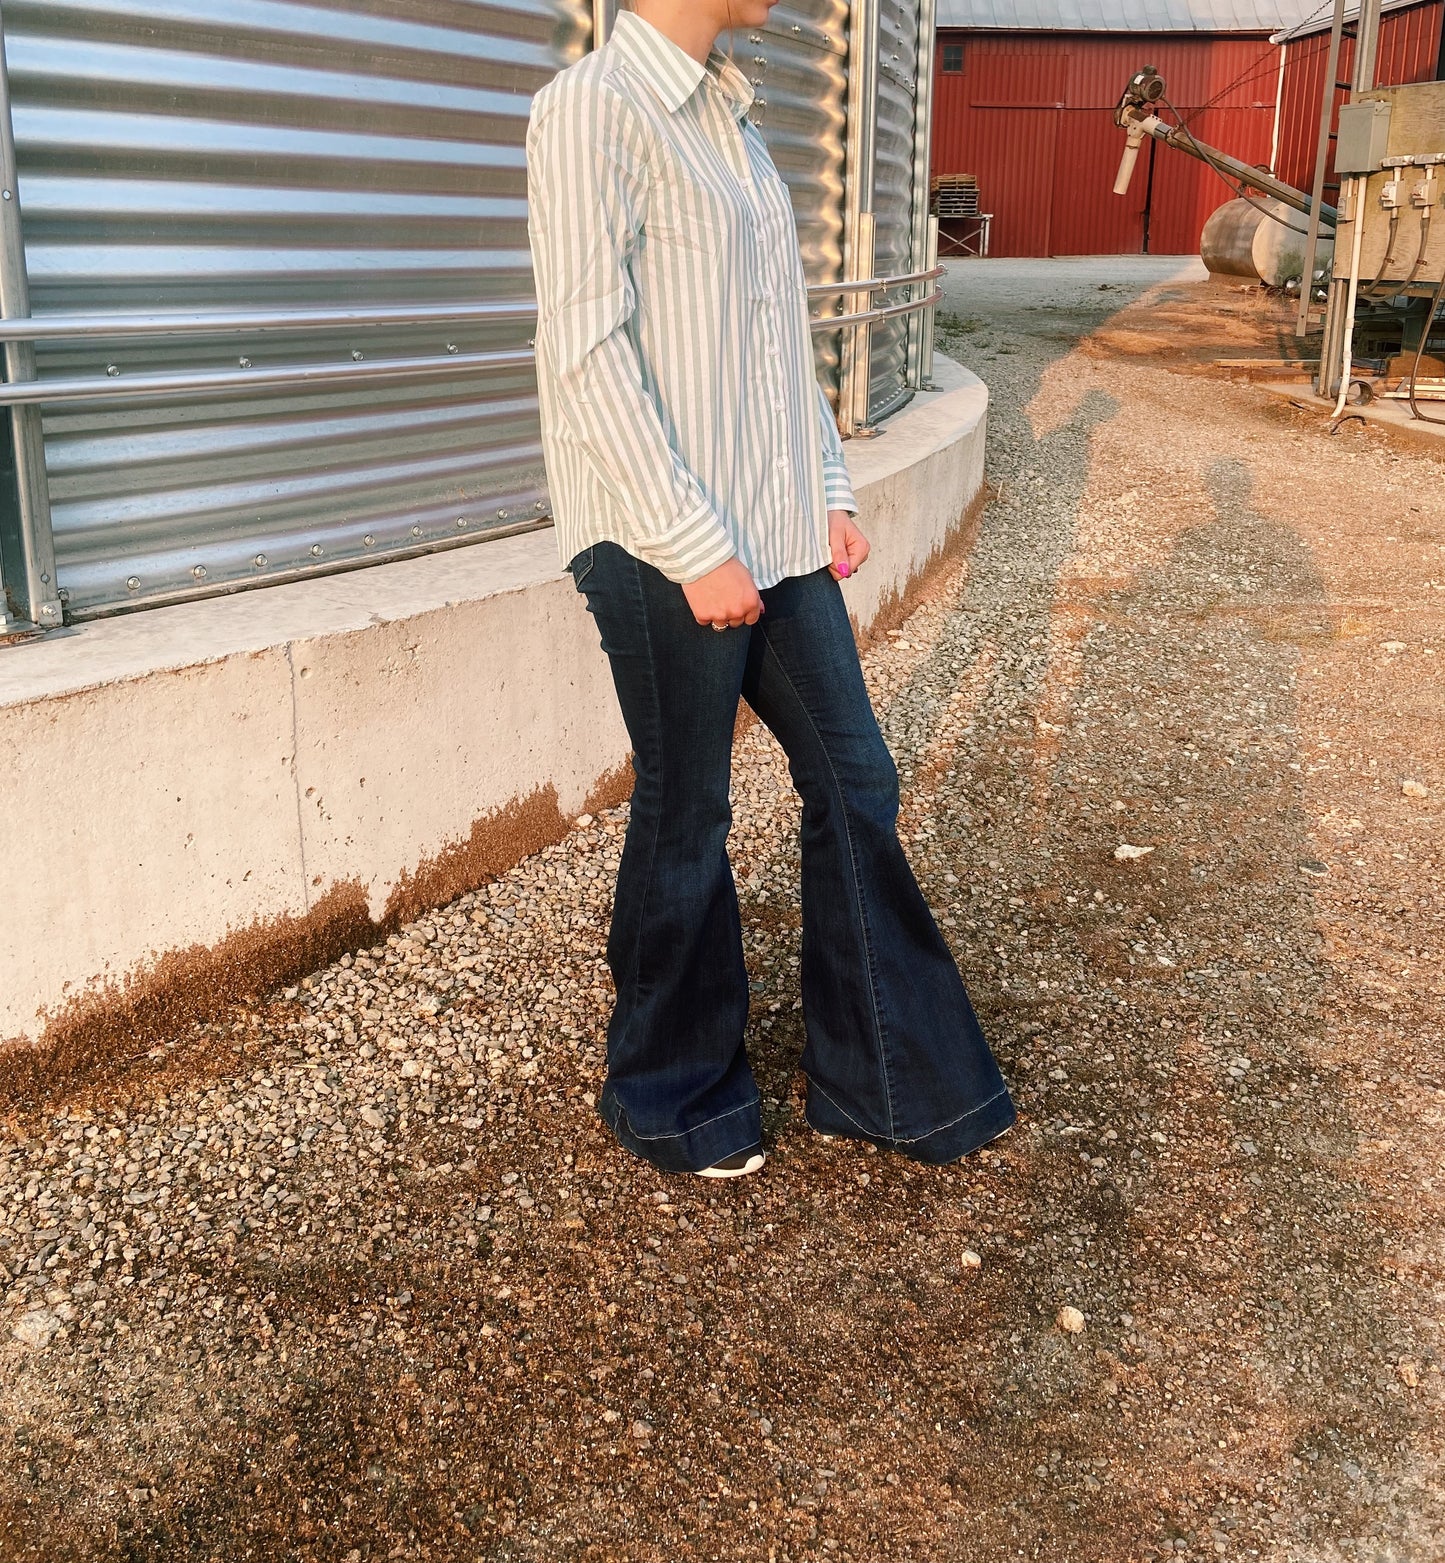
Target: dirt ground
(359,1275)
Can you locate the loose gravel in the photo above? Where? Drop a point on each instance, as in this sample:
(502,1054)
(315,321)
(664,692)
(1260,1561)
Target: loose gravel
(357,1274)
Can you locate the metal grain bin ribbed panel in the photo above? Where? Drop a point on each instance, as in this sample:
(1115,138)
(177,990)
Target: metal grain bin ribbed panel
(798,67)
(893,193)
(180,155)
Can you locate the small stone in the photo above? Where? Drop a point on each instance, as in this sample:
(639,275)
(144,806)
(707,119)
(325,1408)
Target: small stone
(1394,647)
(372,1118)
(1313,867)
(1409,1373)
(641,1430)
(971,1260)
(1414,789)
(1070,1320)
(36,1328)
(1125,853)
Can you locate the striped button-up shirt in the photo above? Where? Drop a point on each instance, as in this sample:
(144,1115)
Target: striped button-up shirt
(681,413)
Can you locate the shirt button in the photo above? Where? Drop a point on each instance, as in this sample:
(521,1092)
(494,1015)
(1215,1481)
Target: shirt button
(782,461)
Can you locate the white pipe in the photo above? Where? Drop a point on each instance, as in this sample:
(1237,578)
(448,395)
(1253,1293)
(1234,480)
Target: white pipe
(1357,216)
(1278,105)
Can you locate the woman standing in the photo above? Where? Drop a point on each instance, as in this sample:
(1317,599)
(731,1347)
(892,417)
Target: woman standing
(703,507)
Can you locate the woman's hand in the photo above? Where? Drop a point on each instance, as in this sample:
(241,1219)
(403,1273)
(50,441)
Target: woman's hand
(846,544)
(726,598)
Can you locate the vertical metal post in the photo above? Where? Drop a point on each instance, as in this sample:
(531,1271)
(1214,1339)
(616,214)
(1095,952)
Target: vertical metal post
(1367,48)
(925,357)
(1322,157)
(27,550)
(920,324)
(1362,79)
(858,176)
(858,360)
(602,11)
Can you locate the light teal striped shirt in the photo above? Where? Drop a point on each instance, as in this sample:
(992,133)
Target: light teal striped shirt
(681,413)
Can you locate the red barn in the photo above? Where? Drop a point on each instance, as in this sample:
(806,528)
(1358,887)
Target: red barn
(1024,101)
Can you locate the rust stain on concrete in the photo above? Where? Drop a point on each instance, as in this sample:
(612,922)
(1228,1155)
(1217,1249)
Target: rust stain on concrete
(956,542)
(99,1044)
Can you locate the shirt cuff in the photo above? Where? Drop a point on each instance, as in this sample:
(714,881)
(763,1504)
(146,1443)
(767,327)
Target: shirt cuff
(837,490)
(689,548)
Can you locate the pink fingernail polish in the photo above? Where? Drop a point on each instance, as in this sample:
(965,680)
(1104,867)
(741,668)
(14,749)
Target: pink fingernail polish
(844,568)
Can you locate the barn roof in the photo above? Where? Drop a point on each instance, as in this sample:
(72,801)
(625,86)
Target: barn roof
(1135,16)
(1322,20)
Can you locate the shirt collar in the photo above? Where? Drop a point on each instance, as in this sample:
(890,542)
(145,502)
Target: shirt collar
(671,71)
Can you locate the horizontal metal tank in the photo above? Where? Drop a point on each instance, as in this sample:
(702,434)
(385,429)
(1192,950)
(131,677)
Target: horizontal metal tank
(1260,238)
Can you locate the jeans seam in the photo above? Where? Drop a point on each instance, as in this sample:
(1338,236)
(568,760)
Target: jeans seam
(636,960)
(832,1103)
(683,1134)
(857,884)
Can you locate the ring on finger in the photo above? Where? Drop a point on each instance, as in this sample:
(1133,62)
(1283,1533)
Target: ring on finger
(718,626)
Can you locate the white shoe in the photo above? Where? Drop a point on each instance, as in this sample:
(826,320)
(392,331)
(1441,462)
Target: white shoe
(738,1165)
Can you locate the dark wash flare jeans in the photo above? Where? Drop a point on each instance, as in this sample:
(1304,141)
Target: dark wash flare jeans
(894,1054)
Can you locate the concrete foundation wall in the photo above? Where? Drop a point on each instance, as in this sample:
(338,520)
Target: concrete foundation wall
(203,800)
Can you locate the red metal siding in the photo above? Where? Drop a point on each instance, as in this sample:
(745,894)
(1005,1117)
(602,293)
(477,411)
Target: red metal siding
(1088,218)
(1047,173)
(1409,51)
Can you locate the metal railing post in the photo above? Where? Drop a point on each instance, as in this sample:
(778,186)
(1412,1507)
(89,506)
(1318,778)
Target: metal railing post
(27,549)
(602,14)
(858,175)
(927,314)
(858,346)
(922,323)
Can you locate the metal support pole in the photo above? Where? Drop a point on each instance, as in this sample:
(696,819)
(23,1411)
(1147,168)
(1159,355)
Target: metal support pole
(27,550)
(1367,48)
(1322,157)
(926,316)
(602,14)
(922,322)
(858,175)
(1337,308)
(858,348)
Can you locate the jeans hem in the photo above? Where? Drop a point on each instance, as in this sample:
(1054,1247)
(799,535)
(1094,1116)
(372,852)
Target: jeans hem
(968,1132)
(692,1149)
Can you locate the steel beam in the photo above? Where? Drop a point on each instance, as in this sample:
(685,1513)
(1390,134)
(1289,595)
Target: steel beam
(922,323)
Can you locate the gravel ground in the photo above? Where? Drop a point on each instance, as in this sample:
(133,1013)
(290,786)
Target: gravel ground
(358,1275)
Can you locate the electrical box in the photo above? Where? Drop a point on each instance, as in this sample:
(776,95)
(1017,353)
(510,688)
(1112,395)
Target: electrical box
(1364,137)
(1402,248)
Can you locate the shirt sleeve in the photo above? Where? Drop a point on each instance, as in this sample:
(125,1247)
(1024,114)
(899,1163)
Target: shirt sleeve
(587,200)
(836,485)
